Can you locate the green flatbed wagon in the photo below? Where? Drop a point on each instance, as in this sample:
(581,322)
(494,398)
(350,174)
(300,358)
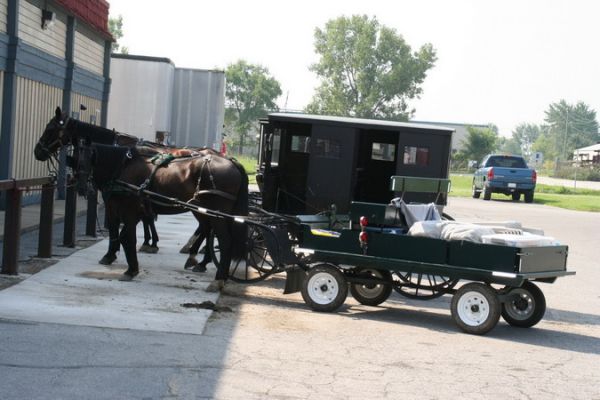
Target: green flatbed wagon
(369,253)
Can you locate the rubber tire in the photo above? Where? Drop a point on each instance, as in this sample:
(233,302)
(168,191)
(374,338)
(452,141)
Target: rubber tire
(529,196)
(475,193)
(334,274)
(377,298)
(487,194)
(516,196)
(537,313)
(494,308)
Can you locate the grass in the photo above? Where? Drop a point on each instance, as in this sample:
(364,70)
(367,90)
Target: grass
(557,196)
(249,164)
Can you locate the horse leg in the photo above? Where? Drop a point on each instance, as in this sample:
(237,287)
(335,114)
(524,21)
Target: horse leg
(149,234)
(113,240)
(186,247)
(128,239)
(223,232)
(201,266)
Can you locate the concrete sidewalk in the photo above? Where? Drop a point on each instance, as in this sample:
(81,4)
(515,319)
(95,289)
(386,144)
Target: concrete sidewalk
(79,291)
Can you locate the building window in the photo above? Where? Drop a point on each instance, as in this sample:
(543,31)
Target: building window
(300,144)
(327,148)
(416,156)
(383,152)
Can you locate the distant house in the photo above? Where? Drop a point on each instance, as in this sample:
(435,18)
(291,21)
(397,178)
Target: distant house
(460,132)
(588,155)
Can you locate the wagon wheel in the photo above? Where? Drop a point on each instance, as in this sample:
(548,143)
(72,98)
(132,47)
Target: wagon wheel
(372,294)
(256,264)
(324,288)
(421,286)
(525,307)
(475,308)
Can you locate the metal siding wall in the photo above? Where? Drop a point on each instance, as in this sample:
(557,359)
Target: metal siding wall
(198,107)
(51,40)
(89,53)
(3,15)
(94,107)
(1,94)
(35,106)
(140,97)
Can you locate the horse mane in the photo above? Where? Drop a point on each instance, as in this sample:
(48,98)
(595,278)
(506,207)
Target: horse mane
(92,133)
(108,162)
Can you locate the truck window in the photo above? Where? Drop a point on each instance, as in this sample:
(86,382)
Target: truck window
(506,162)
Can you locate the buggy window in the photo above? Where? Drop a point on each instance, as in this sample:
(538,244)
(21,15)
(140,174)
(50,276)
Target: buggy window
(383,152)
(300,144)
(416,156)
(275,147)
(506,162)
(327,148)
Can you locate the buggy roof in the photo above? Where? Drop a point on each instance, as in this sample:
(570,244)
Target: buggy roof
(366,123)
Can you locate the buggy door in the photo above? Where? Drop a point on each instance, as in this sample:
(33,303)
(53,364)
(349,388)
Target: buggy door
(377,156)
(331,168)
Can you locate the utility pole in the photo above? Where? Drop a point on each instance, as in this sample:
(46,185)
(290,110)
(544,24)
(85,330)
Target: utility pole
(566,130)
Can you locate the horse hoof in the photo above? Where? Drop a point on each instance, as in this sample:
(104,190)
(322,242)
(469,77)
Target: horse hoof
(128,276)
(215,286)
(199,268)
(107,260)
(190,263)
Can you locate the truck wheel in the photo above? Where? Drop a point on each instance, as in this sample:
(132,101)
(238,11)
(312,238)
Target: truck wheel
(525,307)
(529,196)
(372,294)
(475,308)
(324,288)
(476,193)
(487,193)
(516,196)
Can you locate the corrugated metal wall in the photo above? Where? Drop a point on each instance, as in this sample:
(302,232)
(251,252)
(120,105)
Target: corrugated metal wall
(93,112)
(3,15)
(89,53)
(53,39)
(140,98)
(198,108)
(36,103)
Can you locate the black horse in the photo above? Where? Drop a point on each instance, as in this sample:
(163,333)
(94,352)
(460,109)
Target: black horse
(206,181)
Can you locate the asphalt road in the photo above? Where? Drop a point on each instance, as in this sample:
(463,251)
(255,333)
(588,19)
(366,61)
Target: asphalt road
(272,346)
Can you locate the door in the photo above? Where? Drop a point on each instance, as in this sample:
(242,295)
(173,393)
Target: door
(331,168)
(377,155)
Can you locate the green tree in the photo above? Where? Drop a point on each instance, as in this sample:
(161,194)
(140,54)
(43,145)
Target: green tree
(525,136)
(478,143)
(367,70)
(508,145)
(250,92)
(115,26)
(569,127)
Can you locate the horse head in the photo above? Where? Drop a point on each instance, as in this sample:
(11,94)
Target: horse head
(54,137)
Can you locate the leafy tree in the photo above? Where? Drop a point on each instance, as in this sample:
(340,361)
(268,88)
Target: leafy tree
(115,26)
(250,92)
(508,145)
(367,70)
(569,127)
(478,143)
(525,136)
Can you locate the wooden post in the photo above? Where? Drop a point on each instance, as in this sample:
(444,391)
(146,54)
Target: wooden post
(70,213)
(46,221)
(12,232)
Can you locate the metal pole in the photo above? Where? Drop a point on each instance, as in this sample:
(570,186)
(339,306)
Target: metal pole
(12,232)
(46,221)
(70,213)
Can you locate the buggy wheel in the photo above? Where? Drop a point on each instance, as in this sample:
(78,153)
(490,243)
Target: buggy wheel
(475,308)
(525,307)
(516,196)
(324,288)
(372,294)
(487,193)
(422,286)
(256,265)
(474,192)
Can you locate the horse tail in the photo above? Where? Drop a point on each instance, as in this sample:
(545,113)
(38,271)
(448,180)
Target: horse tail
(239,232)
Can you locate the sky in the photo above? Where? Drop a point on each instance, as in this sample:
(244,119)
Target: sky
(500,62)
